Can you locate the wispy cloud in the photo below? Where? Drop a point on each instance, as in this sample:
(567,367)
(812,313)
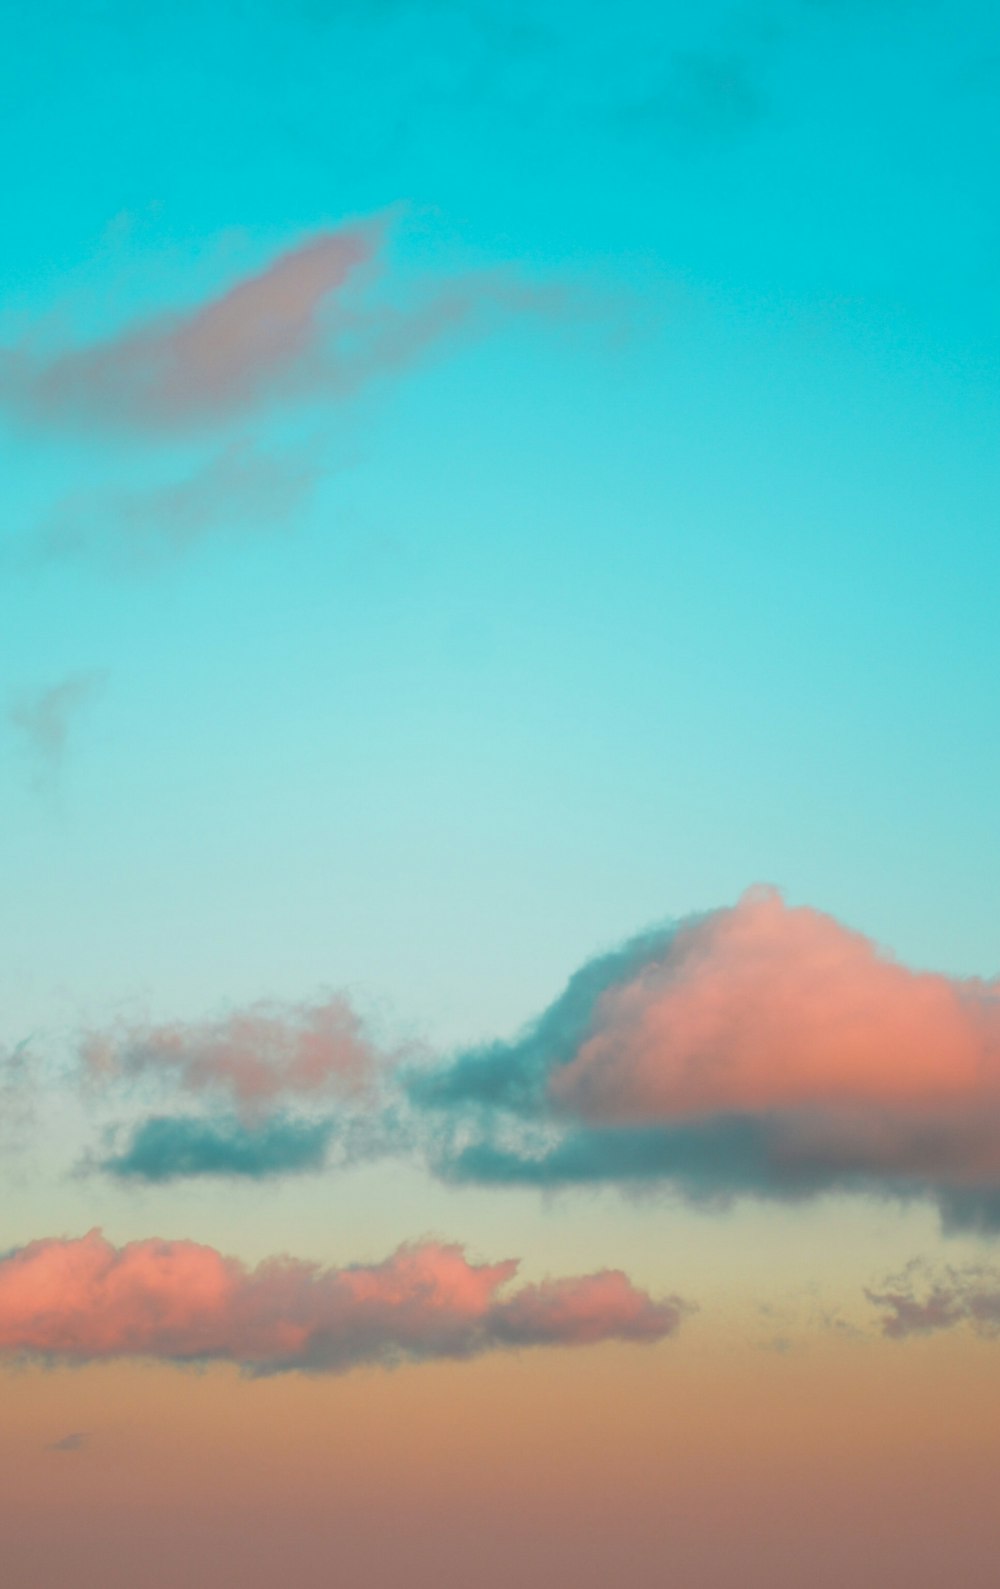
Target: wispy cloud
(289,331)
(922,1300)
(84,1299)
(44,718)
(241,488)
(18,1093)
(257,1057)
(267,1090)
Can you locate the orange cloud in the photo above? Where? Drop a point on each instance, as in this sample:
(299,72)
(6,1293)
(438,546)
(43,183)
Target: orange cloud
(180,1301)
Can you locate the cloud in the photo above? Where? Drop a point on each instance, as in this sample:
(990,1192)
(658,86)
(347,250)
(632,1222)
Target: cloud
(18,1094)
(239,488)
(170,1147)
(71,1442)
(83,1300)
(257,1057)
(291,330)
(756,1049)
(920,1301)
(44,718)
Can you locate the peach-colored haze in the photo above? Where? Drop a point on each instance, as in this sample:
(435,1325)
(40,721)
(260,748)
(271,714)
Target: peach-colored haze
(257,1055)
(764,1008)
(85,1299)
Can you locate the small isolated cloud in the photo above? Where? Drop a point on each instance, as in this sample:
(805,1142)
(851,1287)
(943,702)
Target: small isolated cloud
(257,1058)
(923,1301)
(84,1299)
(44,718)
(71,1442)
(288,331)
(757,1049)
(240,489)
(171,1147)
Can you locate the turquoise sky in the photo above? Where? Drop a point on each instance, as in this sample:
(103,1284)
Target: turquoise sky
(486,485)
(679,578)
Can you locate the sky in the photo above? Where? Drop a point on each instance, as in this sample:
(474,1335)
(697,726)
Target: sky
(499,757)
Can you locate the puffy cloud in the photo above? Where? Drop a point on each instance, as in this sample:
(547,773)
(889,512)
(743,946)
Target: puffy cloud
(85,1299)
(920,1301)
(257,1057)
(754,1049)
(171,1147)
(289,330)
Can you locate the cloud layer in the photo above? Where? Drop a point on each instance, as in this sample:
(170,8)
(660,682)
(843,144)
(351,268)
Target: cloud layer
(754,1049)
(85,1299)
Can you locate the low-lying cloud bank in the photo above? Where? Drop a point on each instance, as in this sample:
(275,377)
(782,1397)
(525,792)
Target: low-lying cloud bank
(84,1299)
(758,1049)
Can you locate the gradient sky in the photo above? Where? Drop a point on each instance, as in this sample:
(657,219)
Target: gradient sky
(483,483)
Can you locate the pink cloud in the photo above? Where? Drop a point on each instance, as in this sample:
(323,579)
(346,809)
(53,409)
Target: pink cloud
(766,1010)
(258,1056)
(289,330)
(85,1299)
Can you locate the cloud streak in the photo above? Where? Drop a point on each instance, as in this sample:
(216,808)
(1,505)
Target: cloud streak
(85,1300)
(242,488)
(289,331)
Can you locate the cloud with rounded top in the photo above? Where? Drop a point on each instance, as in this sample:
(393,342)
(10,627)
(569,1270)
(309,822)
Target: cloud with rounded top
(757,1049)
